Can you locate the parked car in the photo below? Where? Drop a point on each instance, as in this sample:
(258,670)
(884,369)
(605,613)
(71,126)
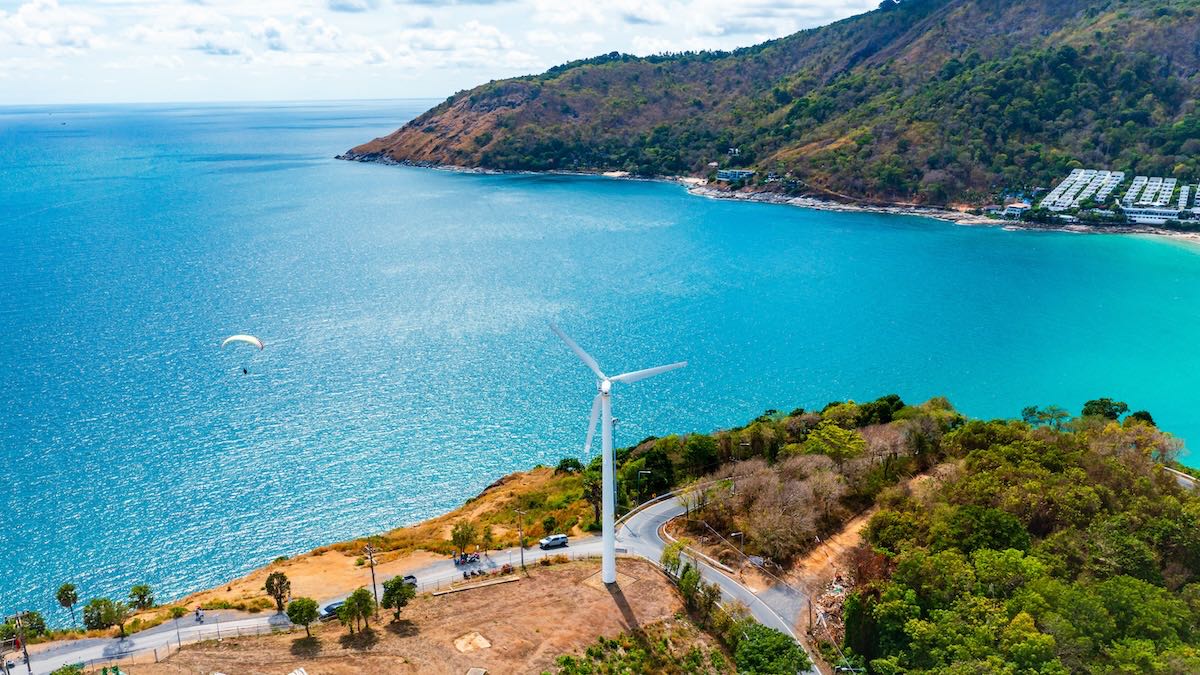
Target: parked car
(331,610)
(410,580)
(553,541)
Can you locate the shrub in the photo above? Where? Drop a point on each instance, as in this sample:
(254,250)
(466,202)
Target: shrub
(767,651)
(141,597)
(569,465)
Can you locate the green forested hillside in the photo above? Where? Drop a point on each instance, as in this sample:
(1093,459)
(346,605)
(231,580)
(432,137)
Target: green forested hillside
(924,100)
(1055,549)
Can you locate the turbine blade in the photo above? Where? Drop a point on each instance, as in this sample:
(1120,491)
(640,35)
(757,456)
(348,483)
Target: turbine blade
(587,447)
(583,356)
(629,378)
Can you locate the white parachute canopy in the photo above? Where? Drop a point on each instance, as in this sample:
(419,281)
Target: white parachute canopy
(248,339)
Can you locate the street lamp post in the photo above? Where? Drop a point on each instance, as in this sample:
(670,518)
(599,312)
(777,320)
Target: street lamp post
(638,481)
(521,535)
(370,551)
(741,542)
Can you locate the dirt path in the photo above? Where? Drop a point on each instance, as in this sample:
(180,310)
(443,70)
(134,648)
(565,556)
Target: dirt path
(818,567)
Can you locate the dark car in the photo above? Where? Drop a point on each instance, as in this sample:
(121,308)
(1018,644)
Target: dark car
(331,610)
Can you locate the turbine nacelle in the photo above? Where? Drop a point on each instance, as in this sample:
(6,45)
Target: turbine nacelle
(604,383)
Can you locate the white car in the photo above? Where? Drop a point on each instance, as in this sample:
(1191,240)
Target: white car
(553,541)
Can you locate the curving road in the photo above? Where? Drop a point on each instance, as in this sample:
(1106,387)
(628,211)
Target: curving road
(639,534)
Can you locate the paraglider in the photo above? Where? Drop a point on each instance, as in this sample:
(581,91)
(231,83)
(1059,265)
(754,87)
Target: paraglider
(248,339)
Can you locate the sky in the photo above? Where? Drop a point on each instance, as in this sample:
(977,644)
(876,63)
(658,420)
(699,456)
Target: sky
(87,51)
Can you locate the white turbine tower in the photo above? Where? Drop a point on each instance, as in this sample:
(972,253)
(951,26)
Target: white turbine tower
(602,407)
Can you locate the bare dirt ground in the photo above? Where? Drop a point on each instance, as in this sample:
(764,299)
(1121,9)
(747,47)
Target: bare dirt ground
(315,576)
(509,628)
(813,571)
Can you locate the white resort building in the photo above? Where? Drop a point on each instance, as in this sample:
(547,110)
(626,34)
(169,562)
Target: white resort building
(1149,200)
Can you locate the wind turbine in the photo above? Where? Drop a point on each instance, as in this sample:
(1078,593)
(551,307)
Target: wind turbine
(602,408)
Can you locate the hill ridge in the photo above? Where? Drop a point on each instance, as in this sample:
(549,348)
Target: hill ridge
(926,101)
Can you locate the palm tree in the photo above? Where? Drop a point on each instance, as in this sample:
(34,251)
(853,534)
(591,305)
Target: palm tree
(68,596)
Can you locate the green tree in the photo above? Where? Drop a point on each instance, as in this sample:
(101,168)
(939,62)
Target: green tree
(141,597)
(396,594)
(93,614)
(593,492)
(766,651)
(844,415)
(707,597)
(569,465)
(700,454)
(117,614)
(1105,407)
(33,624)
(278,587)
(105,613)
(462,535)
(972,527)
(670,558)
(1053,416)
(549,524)
(359,607)
(1001,573)
(70,669)
(68,597)
(302,612)
(834,442)
(689,585)
(489,539)
(1141,416)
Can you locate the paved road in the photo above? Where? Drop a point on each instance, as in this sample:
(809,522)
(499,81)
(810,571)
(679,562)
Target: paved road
(778,607)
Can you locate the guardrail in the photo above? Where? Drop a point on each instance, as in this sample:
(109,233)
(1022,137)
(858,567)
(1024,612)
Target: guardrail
(147,655)
(1192,480)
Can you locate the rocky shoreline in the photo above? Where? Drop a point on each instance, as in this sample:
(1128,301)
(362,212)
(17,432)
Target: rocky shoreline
(958,217)
(698,187)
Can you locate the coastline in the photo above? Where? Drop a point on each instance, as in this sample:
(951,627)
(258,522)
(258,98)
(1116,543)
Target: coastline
(937,213)
(337,568)
(699,187)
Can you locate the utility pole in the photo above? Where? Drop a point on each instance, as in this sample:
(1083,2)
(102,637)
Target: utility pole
(521,535)
(19,620)
(370,551)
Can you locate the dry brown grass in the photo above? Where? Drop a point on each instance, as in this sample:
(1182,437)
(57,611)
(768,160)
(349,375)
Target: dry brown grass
(526,626)
(334,570)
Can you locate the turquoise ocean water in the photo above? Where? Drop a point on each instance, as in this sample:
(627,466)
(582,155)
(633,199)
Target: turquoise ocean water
(408,361)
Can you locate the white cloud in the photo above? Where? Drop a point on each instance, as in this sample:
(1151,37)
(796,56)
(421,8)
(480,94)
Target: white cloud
(282,48)
(650,12)
(46,24)
(353,6)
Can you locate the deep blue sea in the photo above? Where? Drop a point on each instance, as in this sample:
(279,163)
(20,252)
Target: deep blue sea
(408,361)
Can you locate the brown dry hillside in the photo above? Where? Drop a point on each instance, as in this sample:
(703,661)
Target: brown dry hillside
(925,100)
(337,569)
